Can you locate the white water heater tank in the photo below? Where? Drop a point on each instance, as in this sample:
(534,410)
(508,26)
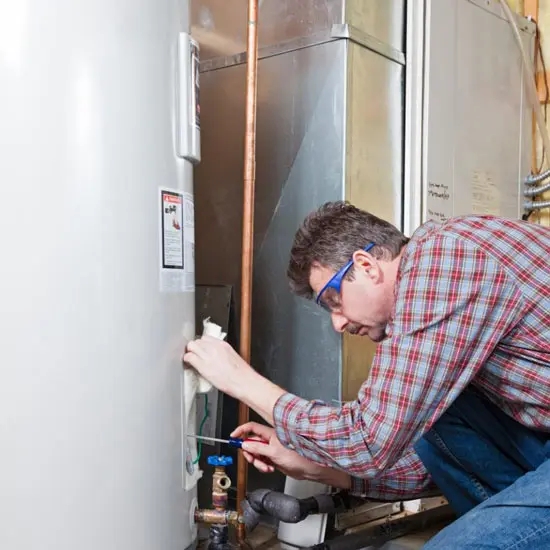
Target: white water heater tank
(97,277)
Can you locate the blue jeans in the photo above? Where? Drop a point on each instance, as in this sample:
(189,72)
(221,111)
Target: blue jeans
(494,472)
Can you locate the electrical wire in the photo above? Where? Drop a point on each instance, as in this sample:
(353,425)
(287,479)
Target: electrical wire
(530,80)
(201,426)
(533,180)
(546,87)
(531,84)
(539,176)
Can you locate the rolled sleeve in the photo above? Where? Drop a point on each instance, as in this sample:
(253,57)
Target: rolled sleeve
(285,415)
(289,411)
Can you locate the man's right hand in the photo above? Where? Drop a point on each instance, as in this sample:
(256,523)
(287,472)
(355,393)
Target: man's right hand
(287,461)
(267,457)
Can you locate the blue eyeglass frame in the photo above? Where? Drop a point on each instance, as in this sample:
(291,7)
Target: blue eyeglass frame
(335,281)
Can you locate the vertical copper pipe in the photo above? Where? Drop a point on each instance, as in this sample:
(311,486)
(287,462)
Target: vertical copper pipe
(248,223)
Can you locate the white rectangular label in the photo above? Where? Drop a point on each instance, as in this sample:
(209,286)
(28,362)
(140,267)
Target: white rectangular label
(177,241)
(172,230)
(439,202)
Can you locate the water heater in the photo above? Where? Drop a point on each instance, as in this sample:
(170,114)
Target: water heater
(99,128)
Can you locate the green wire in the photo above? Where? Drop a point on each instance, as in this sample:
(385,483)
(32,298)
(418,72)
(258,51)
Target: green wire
(199,444)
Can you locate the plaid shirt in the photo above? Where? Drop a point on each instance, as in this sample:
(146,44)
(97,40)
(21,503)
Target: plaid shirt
(472,307)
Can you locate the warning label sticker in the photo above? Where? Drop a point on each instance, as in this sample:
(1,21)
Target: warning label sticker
(177,240)
(172,230)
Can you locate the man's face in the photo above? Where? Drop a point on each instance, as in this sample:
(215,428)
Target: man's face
(364,304)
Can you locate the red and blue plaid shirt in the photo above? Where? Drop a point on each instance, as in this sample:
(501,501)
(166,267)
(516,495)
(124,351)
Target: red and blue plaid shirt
(472,307)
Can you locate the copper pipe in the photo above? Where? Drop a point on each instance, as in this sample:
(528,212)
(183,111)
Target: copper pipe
(218,517)
(248,224)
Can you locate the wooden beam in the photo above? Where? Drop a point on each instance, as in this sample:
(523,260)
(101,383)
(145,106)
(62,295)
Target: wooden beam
(531,9)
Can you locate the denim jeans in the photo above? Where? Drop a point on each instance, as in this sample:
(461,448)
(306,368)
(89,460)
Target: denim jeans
(494,472)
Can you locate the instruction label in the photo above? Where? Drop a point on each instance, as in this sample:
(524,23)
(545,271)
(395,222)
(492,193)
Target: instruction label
(172,230)
(177,241)
(438,202)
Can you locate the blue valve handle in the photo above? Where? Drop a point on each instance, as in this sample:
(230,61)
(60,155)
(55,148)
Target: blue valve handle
(214,460)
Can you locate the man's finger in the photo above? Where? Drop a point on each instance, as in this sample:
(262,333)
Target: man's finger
(262,466)
(191,359)
(249,458)
(265,432)
(194,346)
(259,449)
(258,462)
(243,429)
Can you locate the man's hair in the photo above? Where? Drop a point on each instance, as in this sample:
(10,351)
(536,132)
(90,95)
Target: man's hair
(329,237)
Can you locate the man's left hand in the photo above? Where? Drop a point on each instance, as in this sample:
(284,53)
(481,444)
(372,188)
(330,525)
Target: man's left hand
(217,362)
(223,367)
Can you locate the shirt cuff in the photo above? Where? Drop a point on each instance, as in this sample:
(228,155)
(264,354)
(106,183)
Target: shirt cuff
(286,413)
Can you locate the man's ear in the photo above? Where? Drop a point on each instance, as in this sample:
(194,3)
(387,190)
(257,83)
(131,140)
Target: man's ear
(366,263)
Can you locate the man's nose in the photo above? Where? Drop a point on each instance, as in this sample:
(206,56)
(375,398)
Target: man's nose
(339,322)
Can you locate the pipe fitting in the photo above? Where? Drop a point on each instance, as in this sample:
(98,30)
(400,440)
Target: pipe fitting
(220,483)
(218,517)
(283,507)
(224,482)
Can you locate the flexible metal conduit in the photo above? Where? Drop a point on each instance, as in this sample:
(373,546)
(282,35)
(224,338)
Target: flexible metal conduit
(248,225)
(533,179)
(531,205)
(536,190)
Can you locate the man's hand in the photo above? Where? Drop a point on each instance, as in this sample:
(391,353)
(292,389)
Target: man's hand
(224,368)
(218,362)
(287,461)
(274,455)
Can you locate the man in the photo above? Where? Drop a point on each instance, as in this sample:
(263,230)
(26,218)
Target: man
(459,389)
